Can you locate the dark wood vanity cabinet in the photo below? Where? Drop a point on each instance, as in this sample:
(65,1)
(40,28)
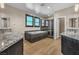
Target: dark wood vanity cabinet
(16,49)
(69,46)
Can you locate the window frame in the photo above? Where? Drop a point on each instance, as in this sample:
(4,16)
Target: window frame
(36,22)
(45,23)
(26,21)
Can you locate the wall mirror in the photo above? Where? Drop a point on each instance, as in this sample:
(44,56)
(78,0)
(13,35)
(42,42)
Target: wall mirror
(73,22)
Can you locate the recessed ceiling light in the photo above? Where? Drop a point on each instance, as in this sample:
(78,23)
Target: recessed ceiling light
(76,7)
(37,9)
(2,5)
(29,6)
(48,7)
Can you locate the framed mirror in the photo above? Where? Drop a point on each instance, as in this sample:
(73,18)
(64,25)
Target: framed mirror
(73,22)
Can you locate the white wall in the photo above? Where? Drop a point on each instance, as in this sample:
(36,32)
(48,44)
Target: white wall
(17,19)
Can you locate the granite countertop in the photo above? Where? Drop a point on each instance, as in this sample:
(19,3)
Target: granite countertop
(8,39)
(71,35)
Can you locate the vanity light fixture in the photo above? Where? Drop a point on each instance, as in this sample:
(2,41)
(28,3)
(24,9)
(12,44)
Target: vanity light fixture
(76,7)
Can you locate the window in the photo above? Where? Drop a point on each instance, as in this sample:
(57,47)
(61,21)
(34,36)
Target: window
(43,23)
(32,21)
(29,21)
(47,23)
(37,22)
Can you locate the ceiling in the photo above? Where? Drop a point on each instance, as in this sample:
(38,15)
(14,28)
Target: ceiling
(41,9)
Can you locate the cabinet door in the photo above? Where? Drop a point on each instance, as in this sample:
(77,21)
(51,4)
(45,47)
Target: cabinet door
(67,46)
(76,47)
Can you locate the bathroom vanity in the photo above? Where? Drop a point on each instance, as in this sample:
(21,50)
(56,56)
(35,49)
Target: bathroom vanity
(70,44)
(11,44)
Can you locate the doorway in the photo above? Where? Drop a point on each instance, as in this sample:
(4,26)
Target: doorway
(61,25)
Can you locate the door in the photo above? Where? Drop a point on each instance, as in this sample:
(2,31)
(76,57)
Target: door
(61,25)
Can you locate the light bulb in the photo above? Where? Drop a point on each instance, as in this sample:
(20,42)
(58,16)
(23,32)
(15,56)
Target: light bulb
(76,7)
(48,7)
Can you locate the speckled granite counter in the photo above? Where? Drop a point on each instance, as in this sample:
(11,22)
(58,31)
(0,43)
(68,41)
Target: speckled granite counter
(71,35)
(8,39)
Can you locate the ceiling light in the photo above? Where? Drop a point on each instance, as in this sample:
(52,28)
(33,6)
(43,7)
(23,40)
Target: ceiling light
(76,7)
(37,8)
(29,6)
(48,7)
(2,5)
